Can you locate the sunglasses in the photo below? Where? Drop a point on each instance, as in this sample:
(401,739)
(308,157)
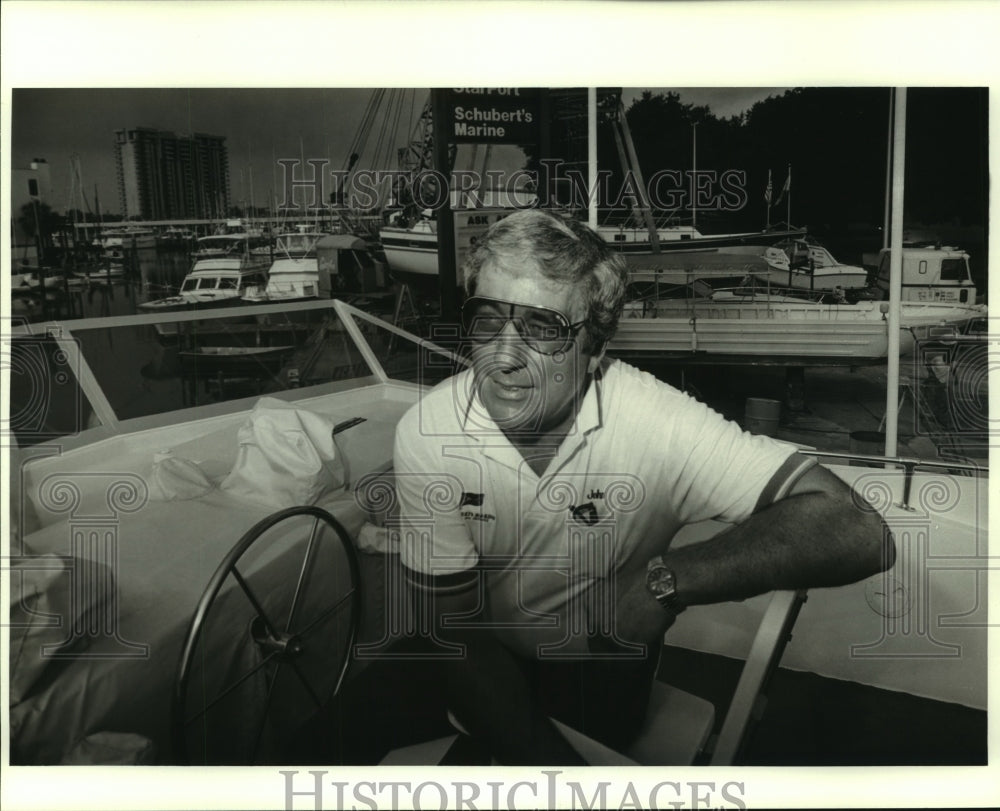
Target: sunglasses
(546,331)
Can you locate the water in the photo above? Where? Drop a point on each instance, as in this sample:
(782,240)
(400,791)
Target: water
(143,371)
(149,274)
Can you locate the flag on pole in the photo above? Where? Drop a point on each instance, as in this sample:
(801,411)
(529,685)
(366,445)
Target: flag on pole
(769,190)
(786,187)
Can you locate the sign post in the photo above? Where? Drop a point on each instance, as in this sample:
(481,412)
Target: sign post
(475,115)
(447,271)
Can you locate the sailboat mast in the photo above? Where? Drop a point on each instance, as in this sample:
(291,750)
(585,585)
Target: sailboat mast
(694,173)
(888,174)
(633,163)
(592,156)
(788,198)
(250,169)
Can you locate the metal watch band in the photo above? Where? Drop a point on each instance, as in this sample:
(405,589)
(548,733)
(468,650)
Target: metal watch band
(662,584)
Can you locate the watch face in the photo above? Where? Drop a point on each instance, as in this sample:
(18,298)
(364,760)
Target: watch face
(660,580)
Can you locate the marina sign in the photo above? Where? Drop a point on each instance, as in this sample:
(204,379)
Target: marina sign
(492,115)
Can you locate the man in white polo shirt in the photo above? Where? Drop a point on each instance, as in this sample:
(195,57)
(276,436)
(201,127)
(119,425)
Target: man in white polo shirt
(539,492)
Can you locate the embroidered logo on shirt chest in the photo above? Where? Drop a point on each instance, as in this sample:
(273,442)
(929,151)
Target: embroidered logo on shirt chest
(474,500)
(585,513)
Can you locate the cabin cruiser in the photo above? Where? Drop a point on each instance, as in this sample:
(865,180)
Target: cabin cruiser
(211,283)
(224,266)
(126,238)
(294,273)
(133,506)
(253,252)
(316,265)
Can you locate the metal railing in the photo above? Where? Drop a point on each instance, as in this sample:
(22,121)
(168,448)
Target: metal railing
(909,466)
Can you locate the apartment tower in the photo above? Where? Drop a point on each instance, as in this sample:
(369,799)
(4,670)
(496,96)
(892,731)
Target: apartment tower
(164,175)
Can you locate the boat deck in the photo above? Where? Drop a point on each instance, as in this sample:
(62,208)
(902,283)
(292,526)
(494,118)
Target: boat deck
(828,408)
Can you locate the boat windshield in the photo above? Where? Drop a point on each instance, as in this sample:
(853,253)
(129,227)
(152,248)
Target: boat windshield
(303,245)
(89,379)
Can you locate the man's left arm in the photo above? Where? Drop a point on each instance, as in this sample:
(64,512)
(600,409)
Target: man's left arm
(817,535)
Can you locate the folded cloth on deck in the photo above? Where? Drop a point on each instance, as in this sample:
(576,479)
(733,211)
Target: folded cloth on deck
(175,478)
(286,457)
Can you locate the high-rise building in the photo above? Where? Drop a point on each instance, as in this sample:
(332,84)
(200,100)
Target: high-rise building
(164,175)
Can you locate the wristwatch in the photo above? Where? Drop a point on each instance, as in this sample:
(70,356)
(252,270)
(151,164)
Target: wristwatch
(662,584)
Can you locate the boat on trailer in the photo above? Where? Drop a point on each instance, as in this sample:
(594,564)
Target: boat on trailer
(411,250)
(763,324)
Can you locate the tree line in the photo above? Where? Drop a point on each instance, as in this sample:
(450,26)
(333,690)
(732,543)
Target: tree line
(835,141)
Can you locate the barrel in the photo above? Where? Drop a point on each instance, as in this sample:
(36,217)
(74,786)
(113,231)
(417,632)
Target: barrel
(762,416)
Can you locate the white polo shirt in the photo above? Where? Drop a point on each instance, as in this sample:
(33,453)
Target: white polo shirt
(641,460)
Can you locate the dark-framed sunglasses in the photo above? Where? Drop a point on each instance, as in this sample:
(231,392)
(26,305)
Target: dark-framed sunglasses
(545,330)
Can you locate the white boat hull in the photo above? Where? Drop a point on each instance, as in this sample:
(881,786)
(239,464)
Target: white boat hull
(768,265)
(843,276)
(412,255)
(212,283)
(772,330)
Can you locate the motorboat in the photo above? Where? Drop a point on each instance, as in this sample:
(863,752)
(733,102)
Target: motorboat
(763,324)
(126,238)
(211,283)
(294,273)
(224,267)
(799,264)
(174,237)
(142,550)
(29,279)
(253,252)
(110,238)
(804,264)
(137,237)
(234,360)
(317,265)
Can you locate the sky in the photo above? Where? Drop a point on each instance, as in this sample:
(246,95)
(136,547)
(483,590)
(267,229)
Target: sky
(259,124)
